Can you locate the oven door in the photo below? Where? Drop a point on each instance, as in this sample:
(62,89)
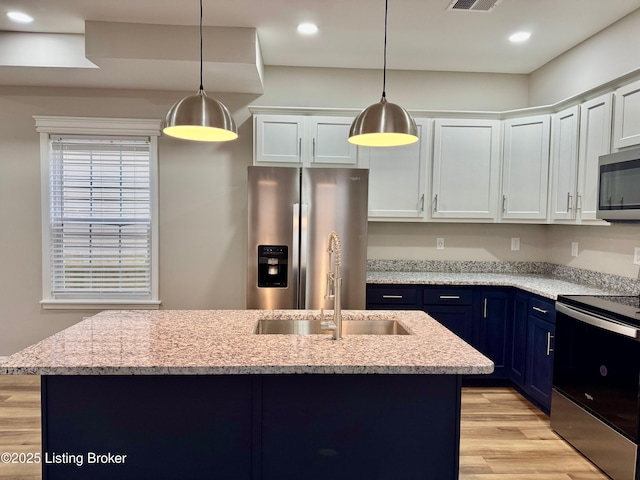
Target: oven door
(597,365)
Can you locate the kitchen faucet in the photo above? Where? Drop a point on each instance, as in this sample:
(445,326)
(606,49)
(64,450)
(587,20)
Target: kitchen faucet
(334,285)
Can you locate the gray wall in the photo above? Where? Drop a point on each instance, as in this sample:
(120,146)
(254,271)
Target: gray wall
(609,54)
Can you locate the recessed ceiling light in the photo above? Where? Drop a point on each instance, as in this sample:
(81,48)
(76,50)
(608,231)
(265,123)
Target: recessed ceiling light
(20,17)
(307,28)
(520,37)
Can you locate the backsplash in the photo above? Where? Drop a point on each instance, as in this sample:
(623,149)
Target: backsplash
(624,285)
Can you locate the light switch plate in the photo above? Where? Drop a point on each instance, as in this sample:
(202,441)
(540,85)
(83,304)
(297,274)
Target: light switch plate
(574,249)
(515,244)
(636,256)
(439,243)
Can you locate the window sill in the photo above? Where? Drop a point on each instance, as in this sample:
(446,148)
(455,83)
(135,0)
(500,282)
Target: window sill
(100,305)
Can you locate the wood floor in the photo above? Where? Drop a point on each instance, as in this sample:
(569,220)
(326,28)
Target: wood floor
(503,436)
(20,424)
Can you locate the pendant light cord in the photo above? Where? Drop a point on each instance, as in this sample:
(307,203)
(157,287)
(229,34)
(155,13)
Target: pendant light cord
(384,69)
(201,85)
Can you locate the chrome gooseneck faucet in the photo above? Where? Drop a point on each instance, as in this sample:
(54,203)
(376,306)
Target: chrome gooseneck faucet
(334,286)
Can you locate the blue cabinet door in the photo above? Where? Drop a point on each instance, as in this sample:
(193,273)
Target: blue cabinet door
(458,319)
(539,373)
(493,325)
(518,339)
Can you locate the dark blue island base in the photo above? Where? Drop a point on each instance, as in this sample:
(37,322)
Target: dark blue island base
(251,427)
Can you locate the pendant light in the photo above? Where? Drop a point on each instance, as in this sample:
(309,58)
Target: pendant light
(199,117)
(383,124)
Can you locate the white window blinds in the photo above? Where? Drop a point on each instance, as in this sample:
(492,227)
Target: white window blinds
(100,217)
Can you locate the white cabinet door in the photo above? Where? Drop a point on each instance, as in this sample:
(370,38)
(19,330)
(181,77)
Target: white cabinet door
(466,169)
(564,163)
(278,139)
(626,129)
(595,140)
(303,140)
(525,168)
(330,141)
(397,178)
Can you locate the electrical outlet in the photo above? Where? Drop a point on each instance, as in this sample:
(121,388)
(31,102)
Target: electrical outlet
(440,243)
(515,244)
(636,256)
(574,249)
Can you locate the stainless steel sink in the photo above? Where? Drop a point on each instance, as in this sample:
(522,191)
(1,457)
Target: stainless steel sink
(312,327)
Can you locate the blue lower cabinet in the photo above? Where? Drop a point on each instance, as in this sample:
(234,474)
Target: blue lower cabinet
(518,339)
(493,322)
(458,319)
(539,373)
(453,308)
(515,329)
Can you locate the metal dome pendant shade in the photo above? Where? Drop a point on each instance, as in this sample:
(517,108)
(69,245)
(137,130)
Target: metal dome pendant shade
(199,117)
(383,124)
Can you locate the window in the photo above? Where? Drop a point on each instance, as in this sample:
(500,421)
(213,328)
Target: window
(99,212)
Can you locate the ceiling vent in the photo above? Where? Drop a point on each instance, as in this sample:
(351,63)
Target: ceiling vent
(474,5)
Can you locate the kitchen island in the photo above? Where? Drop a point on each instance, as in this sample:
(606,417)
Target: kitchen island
(197,394)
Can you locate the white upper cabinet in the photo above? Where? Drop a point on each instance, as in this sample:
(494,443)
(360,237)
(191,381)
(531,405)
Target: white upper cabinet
(397,178)
(278,139)
(595,140)
(466,169)
(525,168)
(626,130)
(303,140)
(329,141)
(564,163)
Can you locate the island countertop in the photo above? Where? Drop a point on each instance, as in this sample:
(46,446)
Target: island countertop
(223,342)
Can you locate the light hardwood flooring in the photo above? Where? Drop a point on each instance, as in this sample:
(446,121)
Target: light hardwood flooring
(503,437)
(20,424)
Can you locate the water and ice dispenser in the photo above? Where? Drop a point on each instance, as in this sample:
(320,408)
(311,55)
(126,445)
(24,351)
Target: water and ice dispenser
(273,263)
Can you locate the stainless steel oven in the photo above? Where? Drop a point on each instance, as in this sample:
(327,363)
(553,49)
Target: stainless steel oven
(595,403)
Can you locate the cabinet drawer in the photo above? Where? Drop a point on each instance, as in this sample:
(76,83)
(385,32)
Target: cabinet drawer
(447,296)
(392,296)
(541,308)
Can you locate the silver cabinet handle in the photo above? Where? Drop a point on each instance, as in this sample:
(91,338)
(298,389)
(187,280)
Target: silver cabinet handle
(422,203)
(313,151)
(549,338)
(569,201)
(435,203)
(449,297)
(537,309)
(300,148)
(392,296)
(484,308)
(579,202)
(504,203)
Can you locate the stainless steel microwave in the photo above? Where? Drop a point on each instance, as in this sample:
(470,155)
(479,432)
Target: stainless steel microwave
(619,186)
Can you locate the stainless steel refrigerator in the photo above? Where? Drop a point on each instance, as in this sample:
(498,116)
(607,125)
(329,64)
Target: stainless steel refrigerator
(292,211)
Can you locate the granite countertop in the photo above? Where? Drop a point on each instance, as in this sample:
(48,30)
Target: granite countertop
(543,285)
(222,342)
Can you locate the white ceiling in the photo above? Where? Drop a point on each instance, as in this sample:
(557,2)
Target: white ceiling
(423,35)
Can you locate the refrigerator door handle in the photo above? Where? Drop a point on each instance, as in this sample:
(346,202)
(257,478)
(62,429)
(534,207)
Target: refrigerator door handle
(295,255)
(303,254)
